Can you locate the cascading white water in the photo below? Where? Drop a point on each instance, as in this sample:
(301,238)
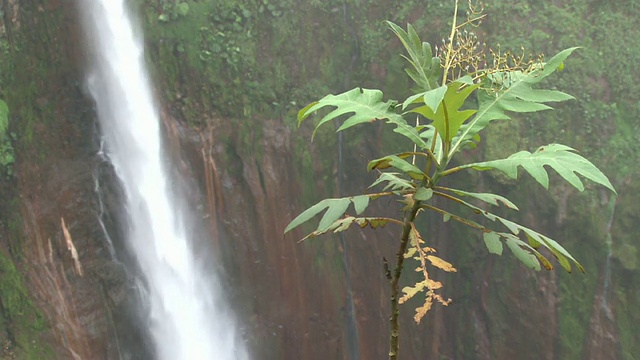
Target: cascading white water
(187,319)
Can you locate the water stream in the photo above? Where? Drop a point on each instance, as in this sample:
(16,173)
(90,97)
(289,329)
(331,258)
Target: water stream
(187,318)
(101,211)
(604,305)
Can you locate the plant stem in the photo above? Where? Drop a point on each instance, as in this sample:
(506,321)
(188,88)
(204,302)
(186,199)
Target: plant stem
(452,170)
(394,331)
(449,55)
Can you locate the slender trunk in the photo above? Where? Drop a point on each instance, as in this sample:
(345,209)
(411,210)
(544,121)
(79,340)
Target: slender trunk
(394,330)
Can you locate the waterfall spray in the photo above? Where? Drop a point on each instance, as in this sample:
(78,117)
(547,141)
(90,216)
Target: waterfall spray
(187,318)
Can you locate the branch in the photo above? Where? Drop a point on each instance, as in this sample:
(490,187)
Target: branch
(395,312)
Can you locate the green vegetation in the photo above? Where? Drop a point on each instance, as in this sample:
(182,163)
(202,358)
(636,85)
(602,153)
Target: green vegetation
(173,11)
(245,57)
(30,73)
(20,318)
(282,64)
(217,51)
(7,154)
(454,97)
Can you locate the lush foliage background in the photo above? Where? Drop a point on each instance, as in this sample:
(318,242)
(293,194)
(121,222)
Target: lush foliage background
(250,64)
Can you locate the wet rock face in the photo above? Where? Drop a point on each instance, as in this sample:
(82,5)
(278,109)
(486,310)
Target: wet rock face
(284,307)
(51,229)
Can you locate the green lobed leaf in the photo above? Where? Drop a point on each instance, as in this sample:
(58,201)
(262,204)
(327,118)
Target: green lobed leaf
(335,211)
(515,93)
(426,70)
(361,106)
(309,214)
(394,182)
(556,249)
(409,132)
(448,118)
(527,247)
(528,259)
(559,252)
(492,242)
(423,194)
(413,99)
(446,216)
(563,159)
(385,162)
(489,198)
(428,134)
(398,163)
(360,203)
(341,224)
(304,112)
(533,242)
(345,223)
(433,98)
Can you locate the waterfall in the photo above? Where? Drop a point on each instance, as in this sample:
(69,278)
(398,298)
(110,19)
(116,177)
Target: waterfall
(101,213)
(604,305)
(187,318)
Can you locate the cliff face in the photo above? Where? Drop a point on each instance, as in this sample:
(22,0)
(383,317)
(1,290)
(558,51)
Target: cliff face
(71,300)
(228,107)
(67,292)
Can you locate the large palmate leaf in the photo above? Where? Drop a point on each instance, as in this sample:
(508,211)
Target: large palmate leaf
(513,92)
(448,118)
(425,71)
(361,106)
(561,158)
